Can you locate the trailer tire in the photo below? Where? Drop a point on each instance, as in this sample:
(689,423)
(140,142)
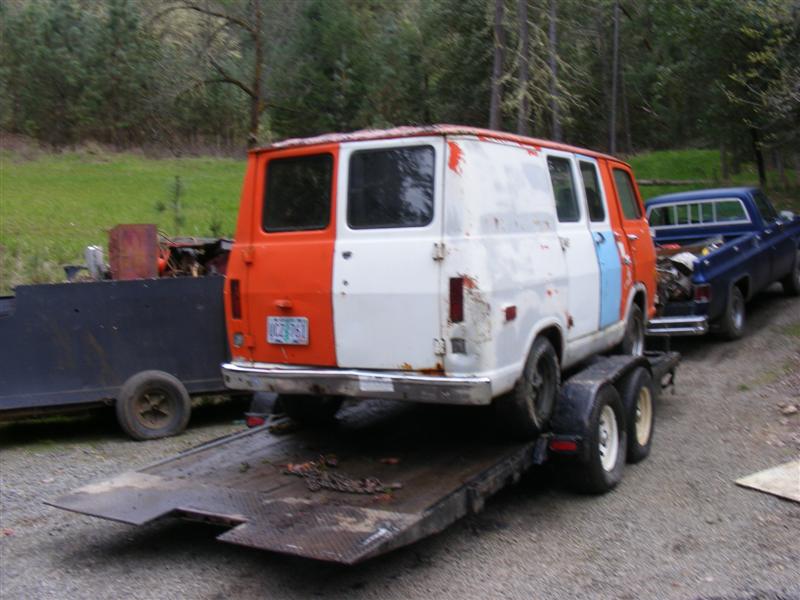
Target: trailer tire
(526,410)
(152,405)
(606,441)
(632,343)
(791,283)
(313,410)
(732,322)
(638,397)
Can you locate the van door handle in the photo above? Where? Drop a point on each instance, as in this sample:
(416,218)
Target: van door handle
(283,304)
(632,237)
(599,238)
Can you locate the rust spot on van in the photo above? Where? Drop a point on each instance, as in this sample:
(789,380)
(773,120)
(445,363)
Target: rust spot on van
(456,156)
(406,367)
(469,282)
(570,321)
(438,371)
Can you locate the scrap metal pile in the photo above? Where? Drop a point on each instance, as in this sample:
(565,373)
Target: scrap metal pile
(675,266)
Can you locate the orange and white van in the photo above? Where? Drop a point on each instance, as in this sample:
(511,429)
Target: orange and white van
(439,264)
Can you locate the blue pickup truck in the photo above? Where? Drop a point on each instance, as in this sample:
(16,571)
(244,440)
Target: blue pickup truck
(716,249)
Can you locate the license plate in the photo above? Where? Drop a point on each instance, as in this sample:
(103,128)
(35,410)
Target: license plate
(287,330)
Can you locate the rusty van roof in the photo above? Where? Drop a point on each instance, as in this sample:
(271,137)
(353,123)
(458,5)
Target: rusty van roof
(427,130)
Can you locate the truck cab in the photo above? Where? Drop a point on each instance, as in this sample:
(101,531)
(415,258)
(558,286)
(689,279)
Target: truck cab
(438,264)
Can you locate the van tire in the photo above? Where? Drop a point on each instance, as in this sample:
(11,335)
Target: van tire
(598,473)
(526,410)
(312,410)
(632,343)
(152,405)
(791,283)
(732,322)
(639,399)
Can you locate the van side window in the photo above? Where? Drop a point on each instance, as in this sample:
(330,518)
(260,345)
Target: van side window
(298,193)
(594,199)
(627,197)
(391,187)
(563,189)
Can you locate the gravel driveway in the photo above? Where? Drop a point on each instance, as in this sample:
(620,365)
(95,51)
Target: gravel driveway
(677,527)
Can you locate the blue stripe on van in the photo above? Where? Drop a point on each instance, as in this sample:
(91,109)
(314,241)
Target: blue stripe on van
(610,277)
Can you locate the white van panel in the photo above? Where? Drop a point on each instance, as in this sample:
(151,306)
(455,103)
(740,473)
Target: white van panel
(386,282)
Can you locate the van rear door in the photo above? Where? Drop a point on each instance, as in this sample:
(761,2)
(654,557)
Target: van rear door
(288,266)
(387,261)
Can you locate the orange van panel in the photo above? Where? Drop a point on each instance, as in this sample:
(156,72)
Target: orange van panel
(285,274)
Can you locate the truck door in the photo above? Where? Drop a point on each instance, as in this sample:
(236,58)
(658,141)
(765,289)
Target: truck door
(583,272)
(605,244)
(781,245)
(636,229)
(387,261)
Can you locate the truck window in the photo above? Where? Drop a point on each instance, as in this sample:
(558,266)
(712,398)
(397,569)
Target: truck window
(683,213)
(391,188)
(730,210)
(563,189)
(597,213)
(298,193)
(662,215)
(707,212)
(627,197)
(764,206)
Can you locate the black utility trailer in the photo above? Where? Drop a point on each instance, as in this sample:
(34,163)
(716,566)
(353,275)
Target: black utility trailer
(383,475)
(144,345)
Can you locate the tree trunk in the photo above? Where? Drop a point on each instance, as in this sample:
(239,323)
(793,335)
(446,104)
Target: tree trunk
(612,123)
(759,154)
(553,41)
(626,118)
(724,161)
(497,67)
(256,101)
(523,114)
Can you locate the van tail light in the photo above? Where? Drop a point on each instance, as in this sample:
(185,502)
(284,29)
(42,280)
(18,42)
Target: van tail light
(702,293)
(236,299)
(456,299)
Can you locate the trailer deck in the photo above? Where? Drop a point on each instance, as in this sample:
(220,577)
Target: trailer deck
(383,476)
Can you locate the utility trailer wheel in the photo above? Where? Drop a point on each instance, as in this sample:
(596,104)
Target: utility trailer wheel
(633,341)
(309,409)
(606,444)
(152,405)
(638,397)
(731,324)
(791,283)
(526,410)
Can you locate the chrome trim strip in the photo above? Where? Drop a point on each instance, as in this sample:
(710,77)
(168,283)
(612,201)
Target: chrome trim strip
(688,325)
(357,383)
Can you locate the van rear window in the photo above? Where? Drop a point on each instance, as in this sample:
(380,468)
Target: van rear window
(391,187)
(298,193)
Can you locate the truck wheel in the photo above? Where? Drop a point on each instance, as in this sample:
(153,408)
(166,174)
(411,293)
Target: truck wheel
(606,440)
(731,324)
(633,341)
(526,410)
(791,283)
(152,405)
(638,398)
(311,409)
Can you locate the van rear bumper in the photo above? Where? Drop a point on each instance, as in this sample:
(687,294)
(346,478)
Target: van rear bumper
(262,377)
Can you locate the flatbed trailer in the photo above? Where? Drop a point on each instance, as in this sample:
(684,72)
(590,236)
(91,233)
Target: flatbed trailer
(384,475)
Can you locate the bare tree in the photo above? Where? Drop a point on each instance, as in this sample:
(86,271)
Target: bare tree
(497,66)
(612,125)
(553,61)
(524,109)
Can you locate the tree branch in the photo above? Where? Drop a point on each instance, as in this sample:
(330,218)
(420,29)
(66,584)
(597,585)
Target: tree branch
(226,77)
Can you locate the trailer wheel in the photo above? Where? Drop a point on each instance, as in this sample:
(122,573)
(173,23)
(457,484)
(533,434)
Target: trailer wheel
(633,341)
(731,324)
(152,405)
(525,411)
(606,444)
(638,398)
(310,409)
(791,283)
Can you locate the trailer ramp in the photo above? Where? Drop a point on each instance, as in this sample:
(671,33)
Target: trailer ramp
(423,468)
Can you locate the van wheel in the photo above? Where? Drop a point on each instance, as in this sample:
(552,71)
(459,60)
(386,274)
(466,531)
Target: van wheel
(791,283)
(526,410)
(606,443)
(633,341)
(638,398)
(310,409)
(731,324)
(152,405)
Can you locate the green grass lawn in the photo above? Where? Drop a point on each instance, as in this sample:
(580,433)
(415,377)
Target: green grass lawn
(54,205)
